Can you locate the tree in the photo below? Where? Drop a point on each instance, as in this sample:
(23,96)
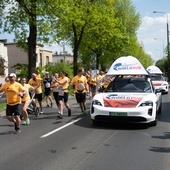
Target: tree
(2,67)
(80,18)
(25,18)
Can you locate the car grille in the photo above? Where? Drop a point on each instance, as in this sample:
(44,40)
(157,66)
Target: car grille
(119,119)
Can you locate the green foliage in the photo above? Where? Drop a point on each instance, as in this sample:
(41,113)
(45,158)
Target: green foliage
(57,68)
(21,70)
(98,31)
(2,106)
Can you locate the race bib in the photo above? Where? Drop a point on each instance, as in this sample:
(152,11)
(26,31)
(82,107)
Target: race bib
(61,91)
(47,85)
(81,87)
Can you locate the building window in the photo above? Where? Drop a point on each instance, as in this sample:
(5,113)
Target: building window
(41,59)
(47,59)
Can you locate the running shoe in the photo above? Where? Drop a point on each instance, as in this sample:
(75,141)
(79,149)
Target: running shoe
(47,106)
(85,112)
(27,121)
(24,122)
(60,116)
(17,131)
(41,112)
(69,112)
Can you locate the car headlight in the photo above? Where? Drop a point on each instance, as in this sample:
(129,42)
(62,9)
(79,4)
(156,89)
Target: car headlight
(147,103)
(164,84)
(95,102)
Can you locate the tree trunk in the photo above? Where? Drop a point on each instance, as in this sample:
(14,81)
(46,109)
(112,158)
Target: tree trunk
(75,54)
(32,39)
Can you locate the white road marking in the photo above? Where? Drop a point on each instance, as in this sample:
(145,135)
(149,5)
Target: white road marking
(62,127)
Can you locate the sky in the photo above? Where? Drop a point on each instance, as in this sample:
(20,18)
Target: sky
(152,32)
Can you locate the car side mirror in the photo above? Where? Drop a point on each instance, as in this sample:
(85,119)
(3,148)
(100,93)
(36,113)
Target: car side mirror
(101,89)
(158,91)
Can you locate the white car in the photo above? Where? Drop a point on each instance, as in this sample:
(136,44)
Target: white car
(159,82)
(130,97)
(127,99)
(158,79)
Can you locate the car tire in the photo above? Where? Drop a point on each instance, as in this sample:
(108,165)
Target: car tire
(154,123)
(160,109)
(94,122)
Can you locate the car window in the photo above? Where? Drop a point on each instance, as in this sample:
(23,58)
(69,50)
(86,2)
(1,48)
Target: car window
(157,77)
(129,85)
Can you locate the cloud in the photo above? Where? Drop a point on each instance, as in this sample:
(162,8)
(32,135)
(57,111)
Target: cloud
(152,34)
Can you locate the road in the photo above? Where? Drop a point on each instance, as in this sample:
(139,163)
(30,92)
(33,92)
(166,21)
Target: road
(74,143)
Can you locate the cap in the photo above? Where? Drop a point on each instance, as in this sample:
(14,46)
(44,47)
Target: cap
(46,72)
(12,75)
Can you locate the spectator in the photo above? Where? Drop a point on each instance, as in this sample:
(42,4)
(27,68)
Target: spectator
(81,87)
(14,91)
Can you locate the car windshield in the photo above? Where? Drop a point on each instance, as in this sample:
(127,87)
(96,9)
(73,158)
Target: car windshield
(136,85)
(157,77)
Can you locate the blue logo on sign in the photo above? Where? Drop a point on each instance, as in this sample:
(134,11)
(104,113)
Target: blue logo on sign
(116,66)
(111,96)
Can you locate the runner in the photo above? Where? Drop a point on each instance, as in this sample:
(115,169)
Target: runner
(54,86)
(26,100)
(34,81)
(14,91)
(47,87)
(63,84)
(81,87)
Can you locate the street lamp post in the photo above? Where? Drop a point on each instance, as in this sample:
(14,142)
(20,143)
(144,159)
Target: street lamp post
(167,31)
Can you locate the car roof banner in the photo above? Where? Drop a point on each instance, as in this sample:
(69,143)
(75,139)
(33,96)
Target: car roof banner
(154,70)
(127,65)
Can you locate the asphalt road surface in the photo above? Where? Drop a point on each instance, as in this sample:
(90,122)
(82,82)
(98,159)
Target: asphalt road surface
(74,143)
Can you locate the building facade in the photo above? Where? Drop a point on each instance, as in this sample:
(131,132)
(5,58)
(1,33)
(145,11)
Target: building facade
(57,58)
(4,58)
(17,55)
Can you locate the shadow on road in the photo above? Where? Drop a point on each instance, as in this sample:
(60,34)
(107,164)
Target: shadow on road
(160,149)
(164,116)
(86,122)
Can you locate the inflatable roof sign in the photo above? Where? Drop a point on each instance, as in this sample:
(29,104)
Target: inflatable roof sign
(128,65)
(154,70)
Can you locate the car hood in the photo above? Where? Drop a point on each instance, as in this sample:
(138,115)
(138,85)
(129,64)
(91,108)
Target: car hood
(122,100)
(159,83)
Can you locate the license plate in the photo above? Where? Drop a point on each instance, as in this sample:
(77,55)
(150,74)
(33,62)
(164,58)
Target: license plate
(118,113)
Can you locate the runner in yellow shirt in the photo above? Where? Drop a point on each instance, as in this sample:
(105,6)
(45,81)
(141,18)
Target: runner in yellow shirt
(81,87)
(14,91)
(63,84)
(35,81)
(26,100)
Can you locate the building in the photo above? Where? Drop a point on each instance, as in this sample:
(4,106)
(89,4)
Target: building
(4,59)
(57,58)
(17,55)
